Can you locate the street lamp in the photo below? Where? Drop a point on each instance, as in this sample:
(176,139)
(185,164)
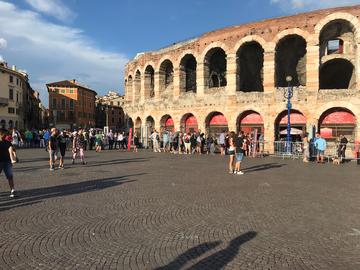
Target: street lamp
(288,94)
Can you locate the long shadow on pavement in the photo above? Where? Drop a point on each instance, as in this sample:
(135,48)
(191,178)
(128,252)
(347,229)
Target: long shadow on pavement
(263,167)
(215,261)
(33,196)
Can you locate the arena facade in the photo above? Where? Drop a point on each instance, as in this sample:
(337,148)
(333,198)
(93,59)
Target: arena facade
(234,78)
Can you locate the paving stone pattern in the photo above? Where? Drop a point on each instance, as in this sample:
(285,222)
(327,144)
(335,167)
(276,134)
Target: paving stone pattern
(163,211)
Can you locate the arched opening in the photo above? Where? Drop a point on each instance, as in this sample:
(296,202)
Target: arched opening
(16,125)
(129,87)
(130,124)
(188,67)
(189,123)
(290,60)
(337,37)
(150,127)
(251,122)
(137,83)
(337,121)
(167,123)
(166,75)
(337,74)
(297,122)
(215,68)
(250,63)
(3,124)
(138,124)
(216,123)
(11,124)
(149,82)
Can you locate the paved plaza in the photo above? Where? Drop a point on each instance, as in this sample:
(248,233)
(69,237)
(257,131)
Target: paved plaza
(163,211)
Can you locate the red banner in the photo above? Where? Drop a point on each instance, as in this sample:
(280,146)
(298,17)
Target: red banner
(191,121)
(218,120)
(169,122)
(129,139)
(295,118)
(340,117)
(252,118)
(326,133)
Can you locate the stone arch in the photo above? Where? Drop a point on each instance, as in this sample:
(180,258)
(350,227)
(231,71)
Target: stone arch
(290,60)
(11,124)
(338,73)
(215,68)
(187,73)
(249,121)
(292,32)
(3,124)
(353,20)
(166,75)
(167,123)
(189,123)
(149,81)
(338,121)
(250,67)
(298,122)
(340,104)
(215,123)
(248,39)
(137,85)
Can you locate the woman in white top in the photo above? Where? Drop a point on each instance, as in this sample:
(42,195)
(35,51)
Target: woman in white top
(231,152)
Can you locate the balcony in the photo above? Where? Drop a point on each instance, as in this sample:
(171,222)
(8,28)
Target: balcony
(4,101)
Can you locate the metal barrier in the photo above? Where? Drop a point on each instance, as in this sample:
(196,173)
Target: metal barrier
(291,150)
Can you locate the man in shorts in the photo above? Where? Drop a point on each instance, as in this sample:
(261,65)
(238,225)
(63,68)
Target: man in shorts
(7,153)
(320,145)
(239,152)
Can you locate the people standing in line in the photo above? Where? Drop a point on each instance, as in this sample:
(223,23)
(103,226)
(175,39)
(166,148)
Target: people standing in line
(210,145)
(166,139)
(110,137)
(78,146)
(53,148)
(155,138)
(222,142)
(46,138)
(231,152)
(136,142)
(320,145)
(181,143)
(239,152)
(306,148)
(7,157)
(199,144)
(193,141)
(187,142)
(342,147)
(62,143)
(98,141)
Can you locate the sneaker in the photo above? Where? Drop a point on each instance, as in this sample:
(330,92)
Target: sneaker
(83,163)
(52,169)
(12,193)
(240,172)
(234,172)
(73,162)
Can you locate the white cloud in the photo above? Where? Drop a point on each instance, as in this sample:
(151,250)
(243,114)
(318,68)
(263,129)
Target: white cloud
(3,43)
(53,8)
(52,52)
(312,4)
(1,59)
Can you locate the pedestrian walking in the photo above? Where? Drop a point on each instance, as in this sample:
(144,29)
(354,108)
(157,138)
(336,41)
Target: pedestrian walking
(53,148)
(306,150)
(62,143)
(78,147)
(136,142)
(342,147)
(239,152)
(155,138)
(231,152)
(7,157)
(222,142)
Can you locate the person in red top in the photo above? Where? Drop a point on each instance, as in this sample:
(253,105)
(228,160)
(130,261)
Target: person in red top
(7,154)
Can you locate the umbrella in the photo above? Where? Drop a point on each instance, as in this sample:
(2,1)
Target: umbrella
(293,131)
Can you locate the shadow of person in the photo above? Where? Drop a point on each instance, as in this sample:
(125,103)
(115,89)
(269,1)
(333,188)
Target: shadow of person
(190,254)
(263,167)
(221,258)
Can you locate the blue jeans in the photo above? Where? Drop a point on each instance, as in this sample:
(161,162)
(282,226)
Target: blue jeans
(7,167)
(239,157)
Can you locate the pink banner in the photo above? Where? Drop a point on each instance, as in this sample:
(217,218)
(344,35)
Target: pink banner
(340,117)
(129,139)
(218,120)
(295,118)
(252,118)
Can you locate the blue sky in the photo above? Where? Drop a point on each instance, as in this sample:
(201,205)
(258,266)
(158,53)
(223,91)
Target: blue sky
(91,40)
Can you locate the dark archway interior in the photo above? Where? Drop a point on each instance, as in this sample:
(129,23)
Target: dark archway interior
(188,73)
(149,81)
(215,68)
(166,74)
(250,62)
(337,74)
(290,60)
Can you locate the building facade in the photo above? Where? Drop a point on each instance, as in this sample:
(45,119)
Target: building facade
(19,103)
(235,78)
(71,105)
(109,112)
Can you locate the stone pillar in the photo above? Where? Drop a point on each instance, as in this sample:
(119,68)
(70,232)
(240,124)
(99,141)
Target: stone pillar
(312,67)
(200,80)
(176,83)
(133,93)
(357,66)
(231,68)
(269,134)
(157,85)
(269,71)
(142,90)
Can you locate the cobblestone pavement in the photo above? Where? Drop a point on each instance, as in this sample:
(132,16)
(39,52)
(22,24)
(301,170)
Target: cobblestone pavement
(162,211)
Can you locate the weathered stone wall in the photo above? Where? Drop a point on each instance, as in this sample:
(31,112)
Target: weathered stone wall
(231,102)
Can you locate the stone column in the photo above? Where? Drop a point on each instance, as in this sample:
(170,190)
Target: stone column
(231,68)
(312,67)
(157,85)
(200,80)
(142,90)
(133,93)
(269,133)
(176,83)
(357,66)
(269,71)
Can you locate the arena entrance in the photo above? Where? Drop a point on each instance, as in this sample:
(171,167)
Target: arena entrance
(216,123)
(189,123)
(167,123)
(298,125)
(250,122)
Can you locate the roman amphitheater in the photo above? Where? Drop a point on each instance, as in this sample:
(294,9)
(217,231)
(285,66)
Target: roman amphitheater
(235,78)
